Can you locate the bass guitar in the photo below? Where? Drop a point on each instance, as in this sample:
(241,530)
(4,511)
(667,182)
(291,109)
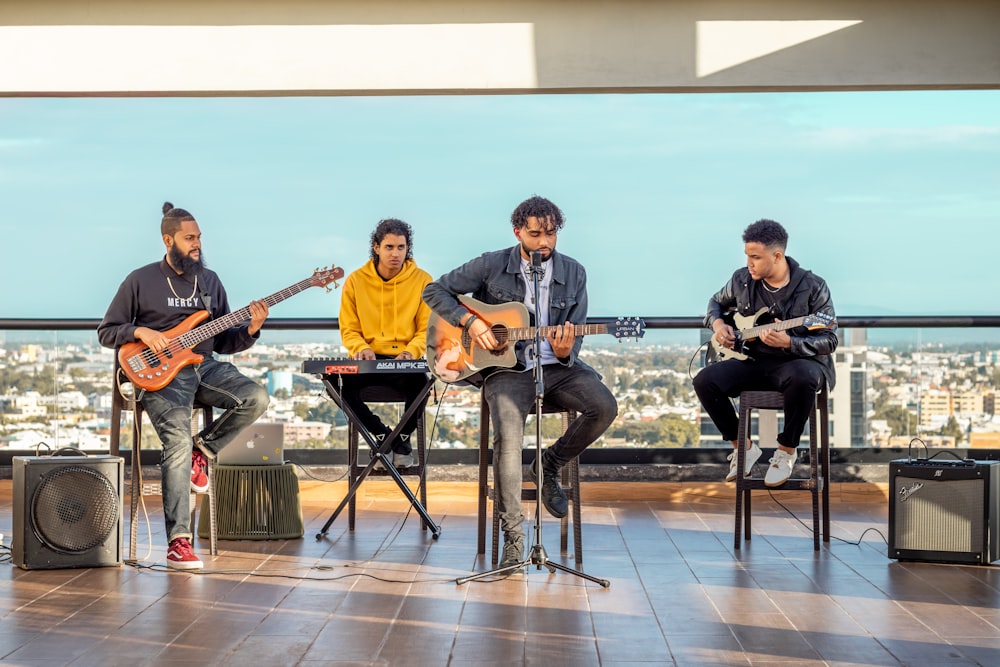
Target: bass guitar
(452,355)
(745,331)
(152,371)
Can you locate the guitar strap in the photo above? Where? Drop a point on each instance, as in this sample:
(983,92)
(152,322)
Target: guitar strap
(206,299)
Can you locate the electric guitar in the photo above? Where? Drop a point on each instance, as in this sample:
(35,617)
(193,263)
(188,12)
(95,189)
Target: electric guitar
(152,371)
(452,355)
(745,332)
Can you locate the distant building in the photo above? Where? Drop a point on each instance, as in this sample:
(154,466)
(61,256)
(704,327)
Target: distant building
(303,431)
(279,380)
(850,400)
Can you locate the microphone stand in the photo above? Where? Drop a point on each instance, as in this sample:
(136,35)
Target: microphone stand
(537,555)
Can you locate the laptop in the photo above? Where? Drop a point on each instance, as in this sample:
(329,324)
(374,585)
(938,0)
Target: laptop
(261,443)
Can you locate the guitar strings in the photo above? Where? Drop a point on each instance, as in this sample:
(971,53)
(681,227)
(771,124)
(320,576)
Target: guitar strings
(178,344)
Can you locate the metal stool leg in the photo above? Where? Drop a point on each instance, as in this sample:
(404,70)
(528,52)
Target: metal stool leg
(819,455)
(570,481)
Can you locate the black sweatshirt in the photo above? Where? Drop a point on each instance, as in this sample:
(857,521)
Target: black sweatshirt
(145,299)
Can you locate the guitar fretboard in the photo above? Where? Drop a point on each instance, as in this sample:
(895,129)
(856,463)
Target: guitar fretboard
(755,332)
(191,338)
(527,333)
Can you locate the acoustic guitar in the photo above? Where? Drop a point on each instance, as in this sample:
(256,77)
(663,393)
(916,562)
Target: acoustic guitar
(153,371)
(452,355)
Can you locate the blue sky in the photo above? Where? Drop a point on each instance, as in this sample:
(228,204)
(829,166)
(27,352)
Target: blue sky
(893,197)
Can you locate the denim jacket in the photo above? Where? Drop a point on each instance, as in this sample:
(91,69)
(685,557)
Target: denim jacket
(495,278)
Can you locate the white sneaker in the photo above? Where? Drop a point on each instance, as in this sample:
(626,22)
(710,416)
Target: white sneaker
(780,469)
(752,454)
(402,460)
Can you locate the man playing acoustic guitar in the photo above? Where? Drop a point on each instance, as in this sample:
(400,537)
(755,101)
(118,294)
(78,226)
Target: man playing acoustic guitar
(794,360)
(151,300)
(505,276)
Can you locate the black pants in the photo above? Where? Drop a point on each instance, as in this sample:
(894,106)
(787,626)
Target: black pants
(382,387)
(798,380)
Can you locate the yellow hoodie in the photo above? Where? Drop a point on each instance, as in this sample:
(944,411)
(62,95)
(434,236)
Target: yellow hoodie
(386,315)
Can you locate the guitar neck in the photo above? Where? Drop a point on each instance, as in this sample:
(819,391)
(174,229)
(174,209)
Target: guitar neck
(755,332)
(214,327)
(527,333)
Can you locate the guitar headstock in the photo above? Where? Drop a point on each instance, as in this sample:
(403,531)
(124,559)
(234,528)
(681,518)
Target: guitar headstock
(818,321)
(625,328)
(323,277)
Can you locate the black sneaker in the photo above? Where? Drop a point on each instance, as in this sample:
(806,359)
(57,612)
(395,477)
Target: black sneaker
(379,439)
(513,552)
(553,496)
(403,459)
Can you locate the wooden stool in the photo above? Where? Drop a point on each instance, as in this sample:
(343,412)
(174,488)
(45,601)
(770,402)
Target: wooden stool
(120,404)
(386,395)
(570,484)
(818,482)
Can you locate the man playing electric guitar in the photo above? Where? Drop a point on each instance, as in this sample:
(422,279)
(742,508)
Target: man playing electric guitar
(795,360)
(505,276)
(151,300)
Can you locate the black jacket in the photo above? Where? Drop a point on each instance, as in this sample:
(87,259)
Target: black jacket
(806,294)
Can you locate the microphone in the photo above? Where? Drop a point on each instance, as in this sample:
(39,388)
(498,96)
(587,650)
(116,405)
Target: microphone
(536,262)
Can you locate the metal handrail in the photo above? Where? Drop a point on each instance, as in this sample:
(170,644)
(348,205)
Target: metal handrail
(327,323)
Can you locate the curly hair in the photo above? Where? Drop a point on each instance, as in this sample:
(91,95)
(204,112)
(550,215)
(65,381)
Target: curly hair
(540,208)
(768,233)
(391,226)
(172,219)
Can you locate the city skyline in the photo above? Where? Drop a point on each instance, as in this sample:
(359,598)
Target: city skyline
(890,196)
(931,387)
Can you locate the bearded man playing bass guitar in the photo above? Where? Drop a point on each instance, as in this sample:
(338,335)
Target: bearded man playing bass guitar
(505,276)
(151,300)
(796,361)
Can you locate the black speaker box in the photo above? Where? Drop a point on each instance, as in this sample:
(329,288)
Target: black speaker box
(944,511)
(67,511)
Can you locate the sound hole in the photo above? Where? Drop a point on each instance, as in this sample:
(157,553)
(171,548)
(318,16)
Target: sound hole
(74,509)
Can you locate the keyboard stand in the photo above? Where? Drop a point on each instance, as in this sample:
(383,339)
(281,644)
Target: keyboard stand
(379,454)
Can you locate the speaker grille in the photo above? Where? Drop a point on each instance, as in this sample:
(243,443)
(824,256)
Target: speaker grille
(255,503)
(74,509)
(939,515)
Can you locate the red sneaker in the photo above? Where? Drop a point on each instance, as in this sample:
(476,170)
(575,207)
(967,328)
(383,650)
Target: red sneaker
(199,472)
(180,556)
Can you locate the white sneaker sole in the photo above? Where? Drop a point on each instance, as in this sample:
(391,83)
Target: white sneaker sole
(185,565)
(775,483)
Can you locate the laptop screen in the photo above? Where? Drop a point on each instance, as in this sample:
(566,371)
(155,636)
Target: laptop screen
(261,443)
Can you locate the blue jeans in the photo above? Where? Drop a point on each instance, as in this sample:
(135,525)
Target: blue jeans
(214,383)
(511,397)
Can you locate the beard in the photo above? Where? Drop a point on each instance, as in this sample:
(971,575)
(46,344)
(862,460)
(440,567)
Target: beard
(184,263)
(527,253)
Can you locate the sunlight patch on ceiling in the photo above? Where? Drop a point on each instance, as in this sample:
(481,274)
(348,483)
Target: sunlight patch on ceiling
(140,58)
(721,45)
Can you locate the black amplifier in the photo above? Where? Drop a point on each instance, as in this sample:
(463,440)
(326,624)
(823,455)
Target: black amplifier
(944,511)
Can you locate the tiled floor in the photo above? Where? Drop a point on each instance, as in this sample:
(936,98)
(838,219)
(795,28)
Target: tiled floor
(387,594)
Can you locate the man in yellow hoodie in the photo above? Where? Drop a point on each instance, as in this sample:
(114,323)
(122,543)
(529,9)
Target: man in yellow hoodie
(383,317)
